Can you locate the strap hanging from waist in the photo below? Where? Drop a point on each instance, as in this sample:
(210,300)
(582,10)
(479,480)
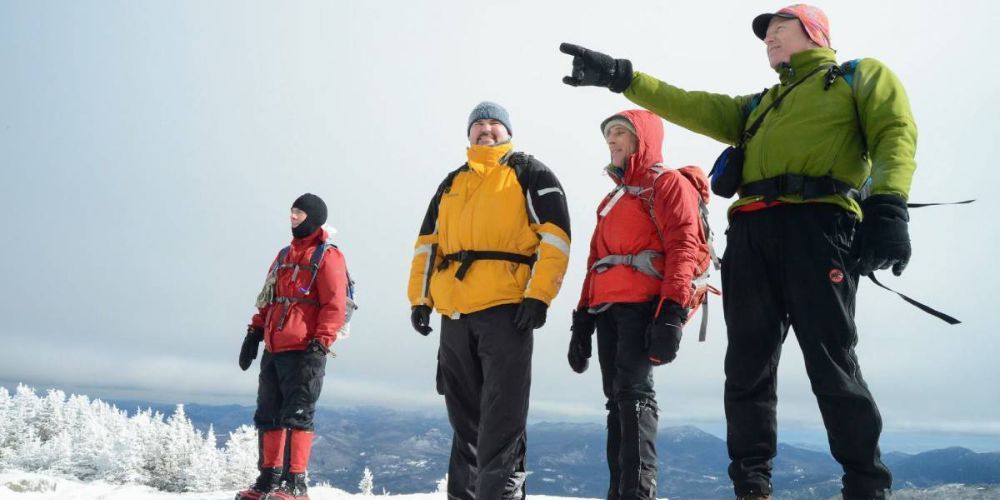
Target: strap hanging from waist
(923,307)
(794,184)
(467,257)
(642,262)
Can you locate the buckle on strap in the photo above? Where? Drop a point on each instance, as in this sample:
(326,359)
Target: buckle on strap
(796,184)
(467,257)
(642,262)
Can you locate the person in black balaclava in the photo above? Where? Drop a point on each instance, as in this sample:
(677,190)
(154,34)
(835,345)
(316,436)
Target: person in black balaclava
(299,312)
(315,211)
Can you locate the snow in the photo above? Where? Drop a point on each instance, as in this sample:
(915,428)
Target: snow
(34,486)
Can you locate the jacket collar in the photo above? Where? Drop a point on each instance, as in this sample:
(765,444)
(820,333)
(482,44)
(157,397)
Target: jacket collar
(802,63)
(318,236)
(484,158)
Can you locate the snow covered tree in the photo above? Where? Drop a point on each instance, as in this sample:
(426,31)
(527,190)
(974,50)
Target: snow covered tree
(241,457)
(206,462)
(367,483)
(5,427)
(93,440)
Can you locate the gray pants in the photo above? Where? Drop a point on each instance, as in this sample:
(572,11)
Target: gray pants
(484,373)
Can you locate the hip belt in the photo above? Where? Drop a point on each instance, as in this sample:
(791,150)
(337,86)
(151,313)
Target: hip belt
(467,257)
(805,186)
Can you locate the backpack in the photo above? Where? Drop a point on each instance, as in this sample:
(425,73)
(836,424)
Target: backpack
(700,284)
(267,295)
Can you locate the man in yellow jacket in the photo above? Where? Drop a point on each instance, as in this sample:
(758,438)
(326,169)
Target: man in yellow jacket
(490,257)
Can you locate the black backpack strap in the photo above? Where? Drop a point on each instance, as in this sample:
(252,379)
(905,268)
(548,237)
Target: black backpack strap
(282,257)
(315,261)
(749,133)
(921,205)
(795,184)
(927,309)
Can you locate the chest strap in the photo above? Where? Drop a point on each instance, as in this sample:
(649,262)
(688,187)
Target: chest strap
(807,187)
(286,302)
(467,257)
(642,262)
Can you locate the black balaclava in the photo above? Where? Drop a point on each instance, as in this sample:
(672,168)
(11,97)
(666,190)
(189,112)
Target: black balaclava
(314,207)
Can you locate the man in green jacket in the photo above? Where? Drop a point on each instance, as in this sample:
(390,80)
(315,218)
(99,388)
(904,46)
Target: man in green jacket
(795,246)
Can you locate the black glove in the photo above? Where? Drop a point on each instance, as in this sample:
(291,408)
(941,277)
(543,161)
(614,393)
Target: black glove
(316,349)
(883,237)
(663,337)
(581,343)
(251,343)
(420,318)
(313,364)
(595,69)
(530,314)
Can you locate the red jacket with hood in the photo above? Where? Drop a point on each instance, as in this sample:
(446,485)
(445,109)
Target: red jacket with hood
(628,228)
(306,321)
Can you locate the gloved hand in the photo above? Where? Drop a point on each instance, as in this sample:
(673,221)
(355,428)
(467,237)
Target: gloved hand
(316,350)
(883,237)
(420,318)
(595,69)
(530,314)
(581,343)
(251,343)
(663,337)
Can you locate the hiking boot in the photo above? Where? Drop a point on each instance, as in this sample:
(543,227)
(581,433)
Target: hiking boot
(293,488)
(266,482)
(754,497)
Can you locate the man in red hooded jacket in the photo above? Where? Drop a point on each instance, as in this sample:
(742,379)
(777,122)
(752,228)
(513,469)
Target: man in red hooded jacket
(648,258)
(300,311)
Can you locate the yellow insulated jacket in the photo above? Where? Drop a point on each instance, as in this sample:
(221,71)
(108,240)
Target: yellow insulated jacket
(501,202)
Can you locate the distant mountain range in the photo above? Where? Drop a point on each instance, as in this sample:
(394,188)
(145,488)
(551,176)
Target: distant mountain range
(408,453)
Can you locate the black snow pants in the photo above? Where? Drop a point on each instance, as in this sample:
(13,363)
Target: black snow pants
(627,377)
(784,266)
(484,373)
(289,386)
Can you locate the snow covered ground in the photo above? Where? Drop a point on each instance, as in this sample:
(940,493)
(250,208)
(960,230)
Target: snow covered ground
(31,486)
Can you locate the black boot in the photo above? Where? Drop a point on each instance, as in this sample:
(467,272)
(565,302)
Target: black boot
(292,488)
(637,456)
(267,481)
(614,449)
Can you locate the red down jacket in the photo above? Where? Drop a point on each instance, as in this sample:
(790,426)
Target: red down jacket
(306,321)
(629,228)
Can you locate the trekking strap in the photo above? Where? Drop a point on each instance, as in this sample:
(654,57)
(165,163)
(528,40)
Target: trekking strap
(795,184)
(642,262)
(927,309)
(933,312)
(703,331)
(922,205)
(467,257)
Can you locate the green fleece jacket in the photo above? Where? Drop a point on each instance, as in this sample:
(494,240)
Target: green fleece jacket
(843,132)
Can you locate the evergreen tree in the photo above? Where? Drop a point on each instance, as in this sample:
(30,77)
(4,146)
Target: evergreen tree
(241,457)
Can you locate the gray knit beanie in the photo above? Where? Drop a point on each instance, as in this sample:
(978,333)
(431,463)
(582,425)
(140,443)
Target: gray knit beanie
(617,120)
(487,110)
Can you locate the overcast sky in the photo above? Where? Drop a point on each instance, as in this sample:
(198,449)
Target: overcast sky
(149,153)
